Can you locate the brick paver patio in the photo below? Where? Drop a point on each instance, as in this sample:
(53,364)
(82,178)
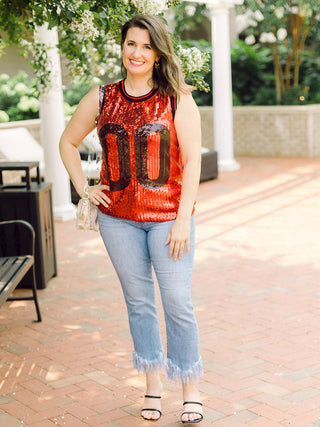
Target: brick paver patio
(256,290)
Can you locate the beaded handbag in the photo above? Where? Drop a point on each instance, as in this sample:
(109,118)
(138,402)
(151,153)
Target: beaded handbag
(87,213)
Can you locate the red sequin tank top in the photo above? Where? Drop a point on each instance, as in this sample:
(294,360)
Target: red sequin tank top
(141,156)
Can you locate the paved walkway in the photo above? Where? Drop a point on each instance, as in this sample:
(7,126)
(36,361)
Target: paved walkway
(256,290)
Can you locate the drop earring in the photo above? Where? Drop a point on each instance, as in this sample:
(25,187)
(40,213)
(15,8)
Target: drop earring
(157,65)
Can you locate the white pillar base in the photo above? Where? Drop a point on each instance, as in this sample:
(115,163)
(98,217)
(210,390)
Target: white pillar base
(228,165)
(65,212)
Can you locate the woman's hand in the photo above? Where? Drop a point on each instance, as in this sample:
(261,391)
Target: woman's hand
(97,196)
(179,235)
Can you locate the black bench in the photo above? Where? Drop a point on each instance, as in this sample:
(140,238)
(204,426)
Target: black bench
(17,241)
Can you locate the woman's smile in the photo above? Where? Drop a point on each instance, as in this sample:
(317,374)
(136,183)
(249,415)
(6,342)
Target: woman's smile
(136,63)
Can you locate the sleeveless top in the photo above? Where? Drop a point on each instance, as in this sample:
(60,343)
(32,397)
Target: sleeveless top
(141,159)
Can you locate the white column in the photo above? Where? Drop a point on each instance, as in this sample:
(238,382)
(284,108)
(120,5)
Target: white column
(52,126)
(222,87)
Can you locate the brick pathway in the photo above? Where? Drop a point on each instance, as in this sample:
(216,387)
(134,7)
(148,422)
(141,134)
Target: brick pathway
(256,290)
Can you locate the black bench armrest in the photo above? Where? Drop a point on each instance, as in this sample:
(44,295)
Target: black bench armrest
(17,243)
(17,237)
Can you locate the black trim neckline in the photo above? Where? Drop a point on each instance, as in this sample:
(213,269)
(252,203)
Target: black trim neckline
(135,98)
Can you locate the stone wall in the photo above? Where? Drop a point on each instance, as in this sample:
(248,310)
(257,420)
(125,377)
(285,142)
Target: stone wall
(280,131)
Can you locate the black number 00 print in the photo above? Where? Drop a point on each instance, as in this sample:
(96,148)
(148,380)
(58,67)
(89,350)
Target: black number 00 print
(141,155)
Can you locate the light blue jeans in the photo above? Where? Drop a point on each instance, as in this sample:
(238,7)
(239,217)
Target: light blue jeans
(134,248)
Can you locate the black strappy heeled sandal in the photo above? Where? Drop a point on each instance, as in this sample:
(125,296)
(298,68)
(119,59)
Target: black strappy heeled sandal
(151,409)
(192,412)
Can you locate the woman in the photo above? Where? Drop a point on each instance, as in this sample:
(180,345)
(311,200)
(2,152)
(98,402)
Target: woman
(149,129)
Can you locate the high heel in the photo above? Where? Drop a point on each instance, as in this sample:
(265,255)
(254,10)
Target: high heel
(192,412)
(151,409)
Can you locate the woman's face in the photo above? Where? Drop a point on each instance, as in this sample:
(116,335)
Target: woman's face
(137,54)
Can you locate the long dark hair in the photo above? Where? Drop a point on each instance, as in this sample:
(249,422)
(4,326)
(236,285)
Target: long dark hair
(168,77)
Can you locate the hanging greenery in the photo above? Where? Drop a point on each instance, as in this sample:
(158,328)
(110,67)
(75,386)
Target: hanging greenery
(88,34)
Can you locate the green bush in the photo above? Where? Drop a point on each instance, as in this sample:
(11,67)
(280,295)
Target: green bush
(251,71)
(297,95)
(309,76)
(253,80)
(73,94)
(18,100)
(265,96)
(16,97)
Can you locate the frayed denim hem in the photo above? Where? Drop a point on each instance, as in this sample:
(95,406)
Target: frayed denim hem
(186,377)
(144,366)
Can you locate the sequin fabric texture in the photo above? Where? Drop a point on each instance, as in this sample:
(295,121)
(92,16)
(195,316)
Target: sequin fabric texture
(141,156)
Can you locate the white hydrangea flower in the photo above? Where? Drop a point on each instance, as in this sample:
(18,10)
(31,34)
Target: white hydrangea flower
(191,58)
(6,90)
(242,22)
(28,104)
(282,34)
(73,6)
(113,48)
(110,66)
(279,12)
(74,65)
(84,25)
(267,38)
(306,11)
(152,7)
(4,77)
(258,16)
(252,22)
(110,69)
(4,117)
(190,10)
(21,89)
(250,40)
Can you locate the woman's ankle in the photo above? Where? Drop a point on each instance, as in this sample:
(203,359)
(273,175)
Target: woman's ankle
(190,392)
(153,383)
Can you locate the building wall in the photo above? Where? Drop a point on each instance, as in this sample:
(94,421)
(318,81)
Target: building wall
(11,62)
